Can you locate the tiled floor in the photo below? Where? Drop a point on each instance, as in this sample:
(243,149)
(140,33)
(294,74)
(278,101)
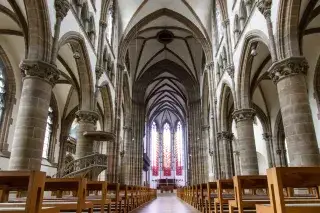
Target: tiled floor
(166,203)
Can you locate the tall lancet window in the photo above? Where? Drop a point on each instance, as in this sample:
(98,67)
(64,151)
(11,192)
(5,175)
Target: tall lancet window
(155,149)
(178,150)
(110,16)
(166,150)
(2,91)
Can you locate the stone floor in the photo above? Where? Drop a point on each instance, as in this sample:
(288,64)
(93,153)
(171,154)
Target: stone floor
(166,203)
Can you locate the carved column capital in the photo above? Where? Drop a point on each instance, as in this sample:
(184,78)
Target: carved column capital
(267,136)
(205,127)
(278,151)
(87,116)
(230,70)
(225,23)
(288,67)
(99,72)
(264,7)
(120,67)
(128,128)
(225,136)
(210,65)
(62,7)
(244,114)
(40,69)
(103,24)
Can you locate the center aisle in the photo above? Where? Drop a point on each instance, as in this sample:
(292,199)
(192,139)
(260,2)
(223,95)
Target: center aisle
(166,203)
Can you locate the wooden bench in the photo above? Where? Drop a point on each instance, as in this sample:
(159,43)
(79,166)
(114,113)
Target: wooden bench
(98,200)
(114,196)
(225,193)
(246,196)
(210,195)
(202,197)
(30,181)
(76,203)
(291,177)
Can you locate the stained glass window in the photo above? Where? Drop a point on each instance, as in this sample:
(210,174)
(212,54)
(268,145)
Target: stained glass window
(166,150)
(2,90)
(110,21)
(155,149)
(178,150)
(48,134)
(74,129)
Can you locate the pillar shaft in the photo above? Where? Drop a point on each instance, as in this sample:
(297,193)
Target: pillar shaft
(289,77)
(225,139)
(205,152)
(87,122)
(267,138)
(26,152)
(247,146)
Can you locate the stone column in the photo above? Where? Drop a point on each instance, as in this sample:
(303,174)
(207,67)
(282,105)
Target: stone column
(248,4)
(236,155)
(27,146)
(264,7)
(247,146)
(126,152)
(205,152)
(225,139)
(267,138)
(289,76)
(87,122)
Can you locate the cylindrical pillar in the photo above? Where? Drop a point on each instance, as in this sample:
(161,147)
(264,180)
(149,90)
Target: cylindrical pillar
(27,146)
(267,138)
(247,146)
(289,76)
(225,139)
(87,122)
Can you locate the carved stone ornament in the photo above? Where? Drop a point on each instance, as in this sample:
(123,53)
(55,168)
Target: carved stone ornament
(87,116)
(120,67)
(103,24)
(267,136)
(244,114)
(205,127)
(225,23)
(230,71)
(210,65)
(264,7)
(225,136)
(62,7)
(99,72)
(288,67)
(40,69)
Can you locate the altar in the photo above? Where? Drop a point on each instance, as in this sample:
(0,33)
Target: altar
(166,185)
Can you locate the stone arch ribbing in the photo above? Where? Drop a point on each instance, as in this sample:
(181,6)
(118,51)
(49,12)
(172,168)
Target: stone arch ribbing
(125,41)
(243,78)
(288,28)
(77,43)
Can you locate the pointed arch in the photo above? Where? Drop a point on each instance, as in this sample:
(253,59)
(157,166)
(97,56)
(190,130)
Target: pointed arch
(78,45)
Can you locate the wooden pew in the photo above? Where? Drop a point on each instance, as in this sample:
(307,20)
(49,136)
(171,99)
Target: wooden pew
(245,188)
(30,181)
(76,203)
(211,194)
(114,196)
(123,198)
(225,193)
(291,177)
(98,200)
(202,197)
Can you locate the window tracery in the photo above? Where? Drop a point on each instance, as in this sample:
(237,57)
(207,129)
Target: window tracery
(179,150)
(155,149)
(166,150)
(73,129)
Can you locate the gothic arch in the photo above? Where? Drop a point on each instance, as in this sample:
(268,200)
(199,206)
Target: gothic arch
(39,46)
(288,28)
(10,88)
(225,109)
(243,79)
(77,44)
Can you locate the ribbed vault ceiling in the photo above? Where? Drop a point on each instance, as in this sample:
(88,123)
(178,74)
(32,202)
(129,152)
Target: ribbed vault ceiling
(166,75)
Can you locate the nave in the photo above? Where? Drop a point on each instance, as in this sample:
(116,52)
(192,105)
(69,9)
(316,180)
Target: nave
(166,203)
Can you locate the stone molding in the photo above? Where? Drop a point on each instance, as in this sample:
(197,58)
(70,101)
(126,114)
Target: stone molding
(225,135)
(87,116)
(99,72)
(288,67)
(205,127)
(264,6)
(62,7)
(225,23)
(230,70)
(120,67)
(40,69)
(103,24)
(267,136)
(129,128)
(243,114)
(210,65)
